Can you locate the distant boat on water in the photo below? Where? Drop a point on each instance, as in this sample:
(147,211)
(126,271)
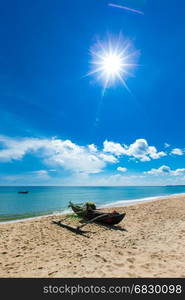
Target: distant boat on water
(23,192)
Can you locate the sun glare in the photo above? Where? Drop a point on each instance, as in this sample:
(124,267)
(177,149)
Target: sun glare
(112,62)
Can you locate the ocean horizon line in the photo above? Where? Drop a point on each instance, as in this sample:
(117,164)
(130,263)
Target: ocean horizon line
(171,185)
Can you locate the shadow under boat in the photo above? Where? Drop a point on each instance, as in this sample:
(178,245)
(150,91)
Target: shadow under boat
(78,229)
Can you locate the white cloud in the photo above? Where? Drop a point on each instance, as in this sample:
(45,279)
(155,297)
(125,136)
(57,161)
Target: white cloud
(121,169)
(114,148)
(163,170)
(152,152)
(166,170)
(179,172)
(177,151)
(92,148)
(166,145)
(108,158)
(138,150)
(142,151)
(15,149)
(56,152)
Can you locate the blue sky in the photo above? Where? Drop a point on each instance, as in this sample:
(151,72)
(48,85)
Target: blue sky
(56,127)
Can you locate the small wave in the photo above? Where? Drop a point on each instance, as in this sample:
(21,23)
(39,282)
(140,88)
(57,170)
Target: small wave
(132,201)
(61,212)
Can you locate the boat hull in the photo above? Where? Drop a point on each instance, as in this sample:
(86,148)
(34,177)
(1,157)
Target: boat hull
(26,192)
(107,218)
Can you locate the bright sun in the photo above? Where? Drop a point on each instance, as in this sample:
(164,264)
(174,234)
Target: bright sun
(112,64)
(112,61)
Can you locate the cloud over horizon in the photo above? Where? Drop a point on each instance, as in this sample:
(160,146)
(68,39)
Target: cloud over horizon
(55,152)
(78,159)
(139,150)
(72,156)
(166,170)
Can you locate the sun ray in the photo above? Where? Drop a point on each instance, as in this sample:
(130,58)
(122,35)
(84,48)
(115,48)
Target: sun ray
(123,82)
(95,71)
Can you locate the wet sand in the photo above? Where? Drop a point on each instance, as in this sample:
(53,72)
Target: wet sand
(149,242)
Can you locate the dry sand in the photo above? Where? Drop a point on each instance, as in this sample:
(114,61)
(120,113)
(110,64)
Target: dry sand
(150,242)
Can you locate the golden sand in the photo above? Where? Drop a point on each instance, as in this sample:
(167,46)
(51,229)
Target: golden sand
(149,242)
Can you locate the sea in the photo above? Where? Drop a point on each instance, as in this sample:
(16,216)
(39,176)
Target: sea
(49,200)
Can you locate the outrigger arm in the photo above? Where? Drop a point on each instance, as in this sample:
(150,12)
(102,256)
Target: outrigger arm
(78,228)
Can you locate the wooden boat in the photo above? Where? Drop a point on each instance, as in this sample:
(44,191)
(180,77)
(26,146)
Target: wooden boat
(100,217)
(23,192)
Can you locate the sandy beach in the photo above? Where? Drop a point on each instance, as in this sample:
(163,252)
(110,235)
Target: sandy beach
(149,242)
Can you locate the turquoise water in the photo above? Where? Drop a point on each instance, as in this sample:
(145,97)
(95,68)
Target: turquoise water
(48,200)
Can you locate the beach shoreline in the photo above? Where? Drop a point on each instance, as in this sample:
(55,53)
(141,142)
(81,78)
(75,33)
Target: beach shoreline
(149,242)
(113,205)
